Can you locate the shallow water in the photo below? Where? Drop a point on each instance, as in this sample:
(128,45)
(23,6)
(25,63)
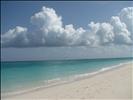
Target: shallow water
(26,74)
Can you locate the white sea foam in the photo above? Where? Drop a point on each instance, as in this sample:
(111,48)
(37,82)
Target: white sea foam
(101,70)
(52,80)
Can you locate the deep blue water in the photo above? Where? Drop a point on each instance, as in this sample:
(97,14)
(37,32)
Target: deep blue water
(18,75)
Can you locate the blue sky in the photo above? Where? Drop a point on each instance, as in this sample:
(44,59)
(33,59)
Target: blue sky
(78,13)
(94,29)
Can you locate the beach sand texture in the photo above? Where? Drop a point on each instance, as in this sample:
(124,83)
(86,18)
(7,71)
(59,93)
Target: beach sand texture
(114,84)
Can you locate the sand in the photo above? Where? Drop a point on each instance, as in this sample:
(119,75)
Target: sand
(115,84)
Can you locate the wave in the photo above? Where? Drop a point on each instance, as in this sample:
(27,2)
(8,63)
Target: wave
(59,81)
(101,70)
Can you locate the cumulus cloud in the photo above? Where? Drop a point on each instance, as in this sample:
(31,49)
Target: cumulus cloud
(126,16)
(47,20)
(122,35)
(15,37)
(105,33)
(50,31)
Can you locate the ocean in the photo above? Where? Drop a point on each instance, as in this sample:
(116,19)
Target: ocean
(25,75)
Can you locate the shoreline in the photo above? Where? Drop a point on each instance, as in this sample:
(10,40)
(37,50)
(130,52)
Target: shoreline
(79,77)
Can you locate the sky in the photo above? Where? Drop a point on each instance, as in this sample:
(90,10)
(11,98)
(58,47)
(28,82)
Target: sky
(66,30)
(19,12)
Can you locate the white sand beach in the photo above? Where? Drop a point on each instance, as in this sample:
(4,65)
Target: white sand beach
(114,84)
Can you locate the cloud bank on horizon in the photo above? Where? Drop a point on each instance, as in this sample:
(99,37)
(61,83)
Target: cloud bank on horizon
(50,31)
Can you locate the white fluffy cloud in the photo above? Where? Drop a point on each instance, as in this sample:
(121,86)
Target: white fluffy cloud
(126,16)
(15,37)
(122,35)
(47,20)
(50,31)
(105,33)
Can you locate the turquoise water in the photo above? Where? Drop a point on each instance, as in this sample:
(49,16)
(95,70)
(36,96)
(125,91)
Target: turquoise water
(19,75)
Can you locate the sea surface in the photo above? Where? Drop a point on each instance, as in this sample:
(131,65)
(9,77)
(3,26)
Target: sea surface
(21,75)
